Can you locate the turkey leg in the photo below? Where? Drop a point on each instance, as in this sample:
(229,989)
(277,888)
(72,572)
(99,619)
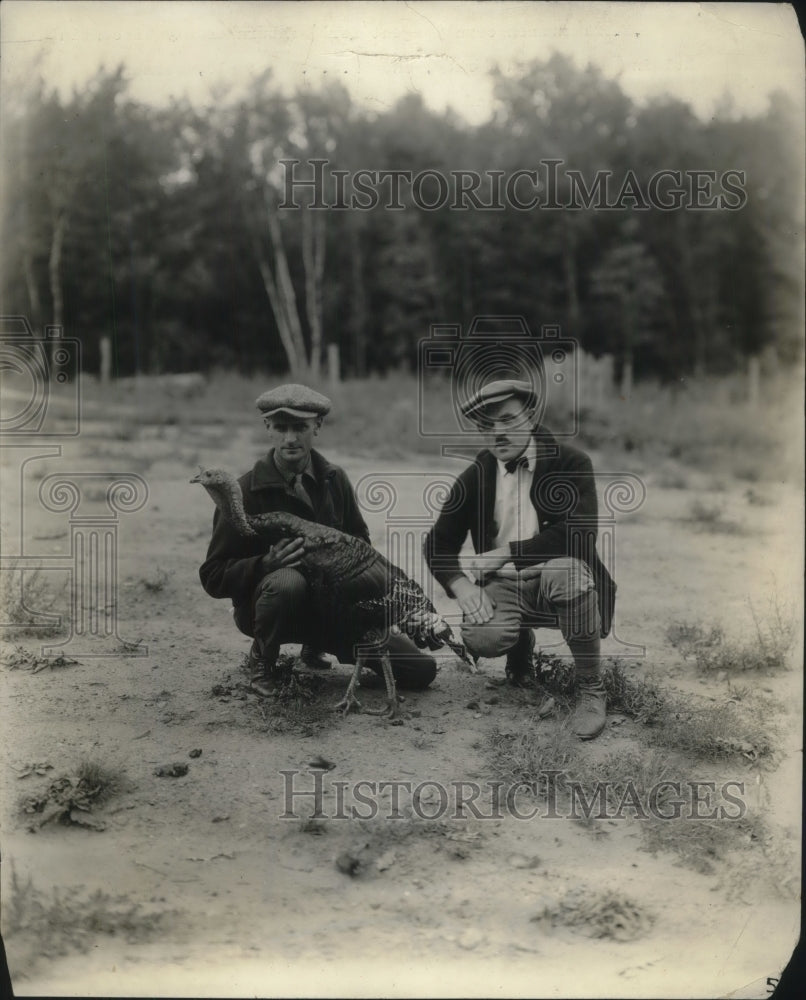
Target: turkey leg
(392,697)
(349,701)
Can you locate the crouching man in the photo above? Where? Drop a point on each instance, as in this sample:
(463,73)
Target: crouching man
(519,501)
(269,593)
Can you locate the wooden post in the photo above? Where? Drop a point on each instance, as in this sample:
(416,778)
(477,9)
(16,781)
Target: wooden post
(626,376)
(333,367)
(106,360)
(753,380)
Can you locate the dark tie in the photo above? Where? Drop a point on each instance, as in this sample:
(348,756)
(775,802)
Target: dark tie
(516,463)
(300,492)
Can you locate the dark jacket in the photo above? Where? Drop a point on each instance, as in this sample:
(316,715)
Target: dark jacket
(563,493)
(232,567)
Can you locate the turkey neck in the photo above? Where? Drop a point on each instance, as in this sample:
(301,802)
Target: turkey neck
(231,504)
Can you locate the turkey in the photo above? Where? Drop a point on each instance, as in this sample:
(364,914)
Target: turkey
(352,585)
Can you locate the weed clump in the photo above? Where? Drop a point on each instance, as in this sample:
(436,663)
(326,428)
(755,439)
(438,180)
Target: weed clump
(712,653)
(23,592)
(43,926)
(737,728)
(605,914)
(711,518)
(71,801)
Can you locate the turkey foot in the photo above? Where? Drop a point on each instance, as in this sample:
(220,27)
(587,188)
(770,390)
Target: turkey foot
(349,701)
(392,698)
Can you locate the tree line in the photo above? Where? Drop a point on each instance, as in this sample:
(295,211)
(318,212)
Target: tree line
(183,235)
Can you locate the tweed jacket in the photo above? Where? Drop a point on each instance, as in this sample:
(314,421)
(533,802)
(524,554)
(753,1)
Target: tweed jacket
(563,493)
(232,567)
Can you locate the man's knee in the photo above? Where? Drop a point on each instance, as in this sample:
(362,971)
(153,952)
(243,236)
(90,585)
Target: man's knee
(490,640)
(280,603)
(284,586)
(565,579)
(413,668)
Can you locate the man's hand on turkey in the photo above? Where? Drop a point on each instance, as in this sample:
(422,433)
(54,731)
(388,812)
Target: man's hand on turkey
(353,587)
(286,554)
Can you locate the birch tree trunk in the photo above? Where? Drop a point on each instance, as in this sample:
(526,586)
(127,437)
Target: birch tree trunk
(276,288)
(30,283)
(358,302)
(270,285)
(55,277)
(285,288)
(27,241)
(571,279)
(313,256)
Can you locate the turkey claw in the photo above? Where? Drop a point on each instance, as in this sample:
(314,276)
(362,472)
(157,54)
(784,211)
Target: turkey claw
(347,704)
(390,710)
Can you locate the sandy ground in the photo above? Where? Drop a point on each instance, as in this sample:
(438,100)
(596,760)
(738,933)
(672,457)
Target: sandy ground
(253,904)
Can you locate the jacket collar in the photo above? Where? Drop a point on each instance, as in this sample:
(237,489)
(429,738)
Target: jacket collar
(265,475)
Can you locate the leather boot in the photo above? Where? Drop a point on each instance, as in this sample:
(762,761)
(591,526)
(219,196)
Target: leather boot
(520,665)
(261,665)
(590,714)
(313,658)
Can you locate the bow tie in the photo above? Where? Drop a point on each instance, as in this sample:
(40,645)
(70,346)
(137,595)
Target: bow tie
(516,463)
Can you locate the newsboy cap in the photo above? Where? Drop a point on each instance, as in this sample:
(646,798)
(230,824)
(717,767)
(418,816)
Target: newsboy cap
(298,400)
(497,392)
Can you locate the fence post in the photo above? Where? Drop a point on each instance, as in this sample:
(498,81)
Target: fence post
(333,365)
(753,380)
(106,360)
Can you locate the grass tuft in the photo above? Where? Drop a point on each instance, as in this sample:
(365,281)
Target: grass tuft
(660,788)
(23,593)
(711,518)
(766,652)
(595,914)
(72,801)
(701,844)
(737,728)
(40,926)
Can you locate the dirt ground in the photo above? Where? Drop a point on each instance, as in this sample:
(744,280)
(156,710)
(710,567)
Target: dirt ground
(238,901)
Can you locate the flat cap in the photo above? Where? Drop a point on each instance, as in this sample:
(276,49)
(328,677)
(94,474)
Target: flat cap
(298,400)
(497,392)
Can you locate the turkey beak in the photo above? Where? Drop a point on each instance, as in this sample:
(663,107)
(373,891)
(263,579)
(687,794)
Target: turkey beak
(196,478)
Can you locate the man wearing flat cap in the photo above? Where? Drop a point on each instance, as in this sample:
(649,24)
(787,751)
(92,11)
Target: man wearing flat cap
(268,592)
(519,500)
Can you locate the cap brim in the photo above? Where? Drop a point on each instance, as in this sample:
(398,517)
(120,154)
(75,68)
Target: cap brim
(484,403)
(305,414)
(477,408)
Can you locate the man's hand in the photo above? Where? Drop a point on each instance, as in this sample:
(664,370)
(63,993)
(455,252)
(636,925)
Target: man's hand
(284,555)
(509,572)
(487,563)
(476,605)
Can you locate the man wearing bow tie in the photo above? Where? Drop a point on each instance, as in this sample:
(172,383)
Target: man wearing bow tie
(529,503)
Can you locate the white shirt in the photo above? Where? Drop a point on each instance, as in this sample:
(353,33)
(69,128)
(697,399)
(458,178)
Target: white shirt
(515,515)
